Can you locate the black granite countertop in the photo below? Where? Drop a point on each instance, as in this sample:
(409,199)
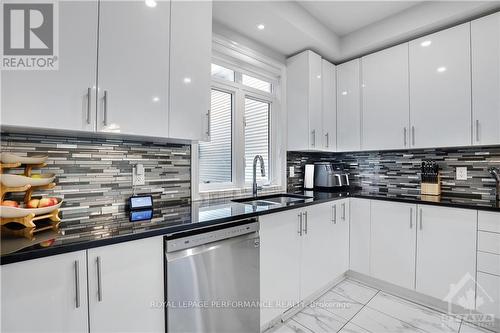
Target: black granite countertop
(98,230)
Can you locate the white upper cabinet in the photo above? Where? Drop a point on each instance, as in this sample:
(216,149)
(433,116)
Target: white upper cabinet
(446,251)
(45,295)
(133,68)
(124,280)
(58,99)
(329,106)
(440,89)
(393,237)
(485,42)
(348,106)
(386,101)
(304,89)
(190,58)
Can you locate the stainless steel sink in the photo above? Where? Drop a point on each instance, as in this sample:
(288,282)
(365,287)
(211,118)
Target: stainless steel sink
(276,199)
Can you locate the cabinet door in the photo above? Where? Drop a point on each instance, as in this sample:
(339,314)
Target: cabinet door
(329,107)
(393,237)
(133,68)
(45,295)
(440,89)
(124,281)
(58,99)
(190,58)
(279,261)
(485,43)
(446,251)
(348,106)
(488,294)
(386,101)
(315,102)
(318,249)
(341,211)
(359,236)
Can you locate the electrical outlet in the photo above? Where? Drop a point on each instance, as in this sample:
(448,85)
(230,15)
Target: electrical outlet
(138,175)
(461,173)
(292,171)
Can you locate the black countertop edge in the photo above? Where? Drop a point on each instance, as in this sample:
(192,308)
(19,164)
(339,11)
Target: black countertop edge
(318,198)
(447,202)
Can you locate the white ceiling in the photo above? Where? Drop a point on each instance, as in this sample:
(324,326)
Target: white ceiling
(344,17)
(338,30)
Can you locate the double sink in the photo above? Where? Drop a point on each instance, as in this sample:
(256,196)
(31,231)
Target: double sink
(271,200)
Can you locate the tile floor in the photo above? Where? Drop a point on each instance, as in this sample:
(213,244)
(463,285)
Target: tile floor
(352,307)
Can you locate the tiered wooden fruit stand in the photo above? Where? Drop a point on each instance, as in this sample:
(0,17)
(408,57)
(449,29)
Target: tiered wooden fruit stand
(33,218)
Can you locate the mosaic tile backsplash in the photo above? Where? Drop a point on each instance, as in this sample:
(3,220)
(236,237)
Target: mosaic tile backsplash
(94,176)
(398,172)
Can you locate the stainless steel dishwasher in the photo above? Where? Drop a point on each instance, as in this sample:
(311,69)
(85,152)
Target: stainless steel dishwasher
(212,279)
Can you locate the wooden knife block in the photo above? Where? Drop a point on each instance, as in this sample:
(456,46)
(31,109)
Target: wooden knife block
(431,188)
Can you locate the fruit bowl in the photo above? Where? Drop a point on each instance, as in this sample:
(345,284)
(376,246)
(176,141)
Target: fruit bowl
(13,158)
(13,212)
(12,180)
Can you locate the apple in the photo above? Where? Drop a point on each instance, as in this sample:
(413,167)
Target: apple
(10,203)
(36,176)
(54,201)
(33,203)
(45,202)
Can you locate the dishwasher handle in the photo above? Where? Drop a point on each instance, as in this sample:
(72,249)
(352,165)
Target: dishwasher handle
(189,252)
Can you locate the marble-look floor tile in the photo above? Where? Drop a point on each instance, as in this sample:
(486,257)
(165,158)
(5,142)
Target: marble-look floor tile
(413,314)
(319,320)
(378,322)
(290,326)
(355,291)
(337,304)
(351,328)
(469,328)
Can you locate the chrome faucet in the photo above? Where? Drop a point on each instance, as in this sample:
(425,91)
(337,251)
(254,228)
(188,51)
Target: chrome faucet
(495,173)
(262,172)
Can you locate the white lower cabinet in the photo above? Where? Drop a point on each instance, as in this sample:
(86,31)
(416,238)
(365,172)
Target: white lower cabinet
(308,247)
(446,252)
(124,281)
(69,292)
(393,238)
(279,257)
(359,236)
(488,294)
(45,295)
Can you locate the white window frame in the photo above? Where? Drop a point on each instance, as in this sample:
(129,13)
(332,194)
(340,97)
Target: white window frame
(277,123)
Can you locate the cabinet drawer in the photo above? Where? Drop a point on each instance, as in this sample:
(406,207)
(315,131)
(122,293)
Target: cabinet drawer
(488,242)
(490,284)
(489,221)
(488,263)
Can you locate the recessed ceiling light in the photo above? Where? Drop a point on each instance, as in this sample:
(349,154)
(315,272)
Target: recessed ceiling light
(261,26)
(187,80)
(344,93)
(441,69)
(426,43)
(151,3)
(318,76)
(156,99)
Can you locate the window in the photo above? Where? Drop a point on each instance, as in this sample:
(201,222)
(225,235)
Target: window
(215,157)
(240,128)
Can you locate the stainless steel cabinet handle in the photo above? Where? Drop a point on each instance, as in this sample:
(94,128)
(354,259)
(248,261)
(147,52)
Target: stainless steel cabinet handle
(477,130)
(413,135)
(314,138)
(300,224)
(343,211)
(334,214)
(105,109)
(327,140)
(77,283)
(421,225)
(208,123)
(305,223)
(89,101)
(411,218)
(99,281)
(404,135)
